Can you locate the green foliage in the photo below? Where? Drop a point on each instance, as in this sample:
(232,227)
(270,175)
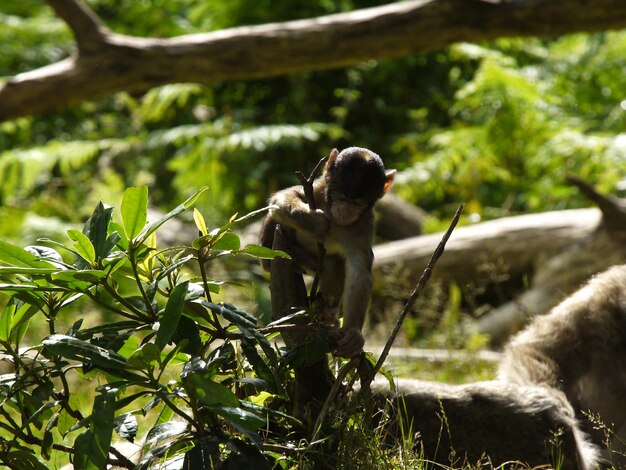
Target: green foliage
(518,130)
(496,125)
(31,37)
(166,351)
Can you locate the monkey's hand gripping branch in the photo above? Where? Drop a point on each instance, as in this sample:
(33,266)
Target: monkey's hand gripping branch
(365,373)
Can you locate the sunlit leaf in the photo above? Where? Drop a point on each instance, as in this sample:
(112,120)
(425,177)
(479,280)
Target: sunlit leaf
(27,270)
(200,223)
(126,426)
(165,431)
(263,252)
(6,320)
(134,210)
(145,233)
(227,242)
(88,276)
(16,256)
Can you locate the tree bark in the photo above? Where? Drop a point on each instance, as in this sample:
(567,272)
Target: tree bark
(106,62)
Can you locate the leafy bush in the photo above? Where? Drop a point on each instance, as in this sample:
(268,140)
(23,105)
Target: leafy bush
(192,376)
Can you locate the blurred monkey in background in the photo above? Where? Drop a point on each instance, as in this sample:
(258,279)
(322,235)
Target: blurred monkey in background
(579,348)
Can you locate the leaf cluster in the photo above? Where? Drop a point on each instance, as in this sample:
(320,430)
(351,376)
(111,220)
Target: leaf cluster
(191,377)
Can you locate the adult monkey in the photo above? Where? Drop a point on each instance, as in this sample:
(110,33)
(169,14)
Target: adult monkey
(499,424)
(353,180)
(579,348)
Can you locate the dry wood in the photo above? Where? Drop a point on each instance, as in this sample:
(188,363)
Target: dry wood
(107,62)
(556,251)
(517,242)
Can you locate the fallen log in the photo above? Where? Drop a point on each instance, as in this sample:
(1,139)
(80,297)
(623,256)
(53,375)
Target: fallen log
(552,252)
(515,241)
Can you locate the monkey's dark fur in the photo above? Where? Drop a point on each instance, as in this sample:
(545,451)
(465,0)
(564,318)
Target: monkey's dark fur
(488,422)
(579,348)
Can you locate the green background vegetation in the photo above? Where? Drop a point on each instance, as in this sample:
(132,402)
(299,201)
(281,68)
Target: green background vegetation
(495,125)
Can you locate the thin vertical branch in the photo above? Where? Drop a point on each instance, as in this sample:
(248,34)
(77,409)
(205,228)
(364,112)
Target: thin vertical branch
(420,285)
(307,185)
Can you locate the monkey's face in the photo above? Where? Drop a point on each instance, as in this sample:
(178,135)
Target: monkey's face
(345,212)
(355,180)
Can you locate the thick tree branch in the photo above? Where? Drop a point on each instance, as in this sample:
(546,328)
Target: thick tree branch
(88,31)
(109,63)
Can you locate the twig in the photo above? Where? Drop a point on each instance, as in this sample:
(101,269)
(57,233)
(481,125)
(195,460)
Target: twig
(345,370)
(307,185)
(420,285)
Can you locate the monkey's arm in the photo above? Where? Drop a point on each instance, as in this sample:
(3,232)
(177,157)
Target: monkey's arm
(293,211)
(355,299)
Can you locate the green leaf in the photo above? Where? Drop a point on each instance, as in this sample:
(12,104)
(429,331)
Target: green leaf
(27,287)
(23,459)
(152,227)
(83,246)
(74,348)
(211,393)
(144,356)
(263,252)
(165,431)
(245,455)
(232,314)
(239,416)
(252,214)
(200,223)
(134,211)
(6,321)
(87,275)
(110,329)
(200,456)
(188,331)
(96,229)
(22,317)
(168,322)
(47,441)
(262,370)
(27,270)
(92,446)
(16,256)
(227,242)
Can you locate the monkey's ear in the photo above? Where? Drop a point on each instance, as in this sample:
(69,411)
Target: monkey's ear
(331,159)
(389,177)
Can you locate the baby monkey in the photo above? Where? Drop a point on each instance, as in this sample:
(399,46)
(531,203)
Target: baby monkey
(345,194)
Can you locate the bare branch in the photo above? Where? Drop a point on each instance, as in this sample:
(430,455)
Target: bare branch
(124,63)
(420,285)
(307,186)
